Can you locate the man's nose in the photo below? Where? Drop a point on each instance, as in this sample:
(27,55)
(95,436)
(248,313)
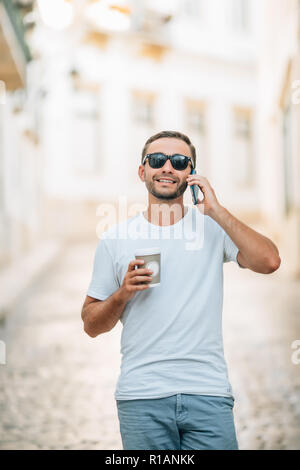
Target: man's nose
(168,166)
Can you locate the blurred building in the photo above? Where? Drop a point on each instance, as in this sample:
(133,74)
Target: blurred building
(24,250)
(125,70)
(279,127)
(20,169)
(87,82)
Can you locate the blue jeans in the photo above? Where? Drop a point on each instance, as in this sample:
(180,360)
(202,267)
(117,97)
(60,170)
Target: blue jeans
(182,421)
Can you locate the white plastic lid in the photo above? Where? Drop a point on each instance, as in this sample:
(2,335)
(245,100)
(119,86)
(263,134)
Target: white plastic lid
(147,251)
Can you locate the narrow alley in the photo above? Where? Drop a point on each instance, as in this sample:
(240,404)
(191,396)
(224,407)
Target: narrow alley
(57,386)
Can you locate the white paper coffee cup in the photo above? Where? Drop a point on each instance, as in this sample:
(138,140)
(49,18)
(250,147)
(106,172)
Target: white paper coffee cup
(151,256)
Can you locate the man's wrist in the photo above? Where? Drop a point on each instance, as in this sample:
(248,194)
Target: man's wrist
(216,212)
(121,296)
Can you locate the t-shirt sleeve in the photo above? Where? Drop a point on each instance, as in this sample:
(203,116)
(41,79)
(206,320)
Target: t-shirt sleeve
(104,281)
(230,250)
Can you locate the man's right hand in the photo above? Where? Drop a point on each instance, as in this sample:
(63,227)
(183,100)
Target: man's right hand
(133,278)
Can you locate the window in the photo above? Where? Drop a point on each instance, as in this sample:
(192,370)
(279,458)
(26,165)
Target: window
(193,8)
(240,15)
(143,104)
(2,186)
(2,92)
(143,108)
(196,130)
(195,118)
(3,225)
(242,151)
(299,21)
(287,157)
(85,132)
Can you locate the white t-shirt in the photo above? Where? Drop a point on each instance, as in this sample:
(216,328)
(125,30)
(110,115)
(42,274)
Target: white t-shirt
(172,333)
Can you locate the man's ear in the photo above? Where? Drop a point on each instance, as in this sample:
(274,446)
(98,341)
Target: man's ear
(141,172)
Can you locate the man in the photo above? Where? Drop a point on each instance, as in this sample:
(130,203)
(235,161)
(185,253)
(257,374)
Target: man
(173,391)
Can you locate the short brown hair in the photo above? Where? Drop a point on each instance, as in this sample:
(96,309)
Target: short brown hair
(174,135)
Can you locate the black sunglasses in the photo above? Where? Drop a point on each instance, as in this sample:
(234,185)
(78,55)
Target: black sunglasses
(158,159)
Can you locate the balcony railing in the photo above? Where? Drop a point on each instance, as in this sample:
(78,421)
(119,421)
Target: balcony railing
(14,51)
(17,24)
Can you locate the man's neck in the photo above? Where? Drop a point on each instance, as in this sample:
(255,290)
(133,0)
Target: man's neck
(164,214)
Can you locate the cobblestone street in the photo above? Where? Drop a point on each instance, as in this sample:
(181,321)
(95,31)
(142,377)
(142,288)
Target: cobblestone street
(57,386)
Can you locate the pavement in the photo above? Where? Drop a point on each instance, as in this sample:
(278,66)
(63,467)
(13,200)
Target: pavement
(57,386)
(15,278)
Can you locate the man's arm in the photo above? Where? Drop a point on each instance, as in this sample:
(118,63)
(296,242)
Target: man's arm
(100,316)
(256,252)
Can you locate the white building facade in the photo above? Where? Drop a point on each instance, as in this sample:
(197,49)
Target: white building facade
(109,92)
(279,125)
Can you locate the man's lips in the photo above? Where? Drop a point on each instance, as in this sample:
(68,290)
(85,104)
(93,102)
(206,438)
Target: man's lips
(165,181)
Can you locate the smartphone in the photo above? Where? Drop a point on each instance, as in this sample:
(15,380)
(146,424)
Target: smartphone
(194,189)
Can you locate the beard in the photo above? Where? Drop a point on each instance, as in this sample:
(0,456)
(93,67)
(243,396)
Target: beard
(166,194)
